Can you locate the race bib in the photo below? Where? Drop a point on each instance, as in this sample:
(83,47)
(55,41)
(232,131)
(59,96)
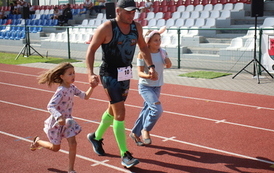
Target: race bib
(124,73)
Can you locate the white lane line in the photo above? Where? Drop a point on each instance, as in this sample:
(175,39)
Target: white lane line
(96,162)
(169,112)
(171,95)
(164,139)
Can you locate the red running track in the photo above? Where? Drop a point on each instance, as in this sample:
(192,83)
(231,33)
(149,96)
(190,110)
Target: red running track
(201,130)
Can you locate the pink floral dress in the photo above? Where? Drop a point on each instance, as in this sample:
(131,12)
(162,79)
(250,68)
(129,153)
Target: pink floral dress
(61,104)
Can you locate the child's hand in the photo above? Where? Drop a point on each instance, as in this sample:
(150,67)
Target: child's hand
(61,121)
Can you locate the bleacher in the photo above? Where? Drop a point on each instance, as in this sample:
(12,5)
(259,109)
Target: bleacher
(192,17)
(15,24)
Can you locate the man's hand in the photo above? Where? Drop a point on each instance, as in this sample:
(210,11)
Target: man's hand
(93,80)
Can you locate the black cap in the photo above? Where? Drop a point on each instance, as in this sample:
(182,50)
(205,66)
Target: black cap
(128,5)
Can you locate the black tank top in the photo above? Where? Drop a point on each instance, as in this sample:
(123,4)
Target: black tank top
(119,52)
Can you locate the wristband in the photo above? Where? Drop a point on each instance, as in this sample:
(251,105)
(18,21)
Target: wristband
(151,66)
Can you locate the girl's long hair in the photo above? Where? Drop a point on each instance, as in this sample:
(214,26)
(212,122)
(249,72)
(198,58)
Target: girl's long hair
(53,75)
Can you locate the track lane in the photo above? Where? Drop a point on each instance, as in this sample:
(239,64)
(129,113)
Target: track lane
(187,155)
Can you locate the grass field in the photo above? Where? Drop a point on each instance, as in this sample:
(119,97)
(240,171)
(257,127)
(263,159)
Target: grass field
(9,58)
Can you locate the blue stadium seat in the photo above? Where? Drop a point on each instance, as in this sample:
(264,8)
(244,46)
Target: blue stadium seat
(12,35)
(17,36)
(54,22)
(19,16)
(2,35)
(43,16)
(33,16)
(7,34)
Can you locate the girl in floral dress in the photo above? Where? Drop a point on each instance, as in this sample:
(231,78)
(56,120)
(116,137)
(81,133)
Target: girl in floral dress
(60,124)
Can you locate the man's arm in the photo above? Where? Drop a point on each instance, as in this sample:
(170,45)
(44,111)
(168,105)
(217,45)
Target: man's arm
(98,38)
(144,51)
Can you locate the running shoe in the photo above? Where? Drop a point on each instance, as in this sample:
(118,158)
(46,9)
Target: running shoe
(129,161)
(97,144)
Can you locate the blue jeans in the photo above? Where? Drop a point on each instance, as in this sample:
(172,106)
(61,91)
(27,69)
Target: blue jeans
(151,111)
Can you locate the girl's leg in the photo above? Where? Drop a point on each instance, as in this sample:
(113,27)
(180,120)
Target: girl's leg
(154,111)
(45,144)
(139,123)
(72,152)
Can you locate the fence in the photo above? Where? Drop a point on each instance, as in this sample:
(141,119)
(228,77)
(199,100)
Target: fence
(194,48)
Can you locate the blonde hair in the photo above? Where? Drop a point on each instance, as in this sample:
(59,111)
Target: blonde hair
(53,75)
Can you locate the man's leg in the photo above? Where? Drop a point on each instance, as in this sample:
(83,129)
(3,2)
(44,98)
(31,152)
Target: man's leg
(106,121)
(96,138)
(120,134)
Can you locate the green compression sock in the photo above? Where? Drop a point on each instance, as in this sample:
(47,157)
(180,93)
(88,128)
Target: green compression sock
(106,121)
(120,135)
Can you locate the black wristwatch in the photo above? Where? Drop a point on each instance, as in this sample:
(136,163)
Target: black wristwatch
(151,66)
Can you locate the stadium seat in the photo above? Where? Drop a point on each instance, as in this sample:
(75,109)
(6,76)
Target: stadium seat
(218,7)
(187,2)
(190,8)
(228,7)
(160,23)
(213,2)
(172,9)
(100,16)
(167,15)
(7,35)
(170,22)
(156,9)
(204,14)
(179,23)
(189,22)
(2,35)
(159,15)
(84,23)
(185,15)
(224,1)
(238,7)
(195,2)
(215,14)
(210,23)
(176,15)
(208,7)
(268,22)
(91,22)
(205,2)
(156,3)
(144,22)
(97,22)
(73,37)
(200,22)
(225,15)
(195,14)
(179,3)
(164,9)
(54,22)
(152,23)
(193,31)
(150,15)
(199,8)
(181,8)
(12,35)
